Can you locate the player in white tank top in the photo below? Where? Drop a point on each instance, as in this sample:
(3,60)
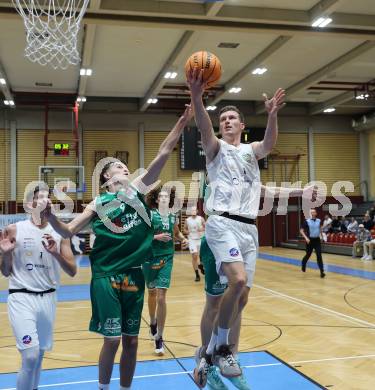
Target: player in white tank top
(194,229)
(31,256)
(234,196)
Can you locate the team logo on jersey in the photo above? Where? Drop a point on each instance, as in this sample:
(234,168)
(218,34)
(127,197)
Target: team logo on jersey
(235,181)
(26,339)
(219,287)
(126,285)
(29,266)
(234,252)
(158,265)
(247,157)
(112,325)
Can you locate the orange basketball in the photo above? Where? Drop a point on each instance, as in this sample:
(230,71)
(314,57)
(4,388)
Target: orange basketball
(209,63)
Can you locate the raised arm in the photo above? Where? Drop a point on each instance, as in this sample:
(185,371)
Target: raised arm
(166,148)
(67,230)
(263,148)
(65,256)
(7,245)
(292,192)
(197,86)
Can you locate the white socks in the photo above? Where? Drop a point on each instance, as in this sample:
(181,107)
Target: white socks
(103,387)
(222,336)
(124,388)
(212,344)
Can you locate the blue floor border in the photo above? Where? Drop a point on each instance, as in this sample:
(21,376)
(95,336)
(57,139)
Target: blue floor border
(262,370)
(357,273)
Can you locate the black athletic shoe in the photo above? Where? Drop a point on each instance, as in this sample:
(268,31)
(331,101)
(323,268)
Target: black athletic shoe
(159,346)
(201,268)
(322,275)
(197,278)
(153,330)
(303,267)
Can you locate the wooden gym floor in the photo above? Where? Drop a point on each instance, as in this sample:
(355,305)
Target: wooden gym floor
(325,328)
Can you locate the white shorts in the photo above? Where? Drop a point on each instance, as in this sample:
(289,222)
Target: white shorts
(194,245)
(32,318)
(232,241)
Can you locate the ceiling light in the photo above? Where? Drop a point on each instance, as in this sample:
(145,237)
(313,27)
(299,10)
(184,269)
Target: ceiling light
(11,102)
(81,99)
(259,71)
(330,109)
(6,102)
(170,75)
(2,81)
(152,101)
(211,108)
(321,22)
(359,97)
(85,72)
(235,90)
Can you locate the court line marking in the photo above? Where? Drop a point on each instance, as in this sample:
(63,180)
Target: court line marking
(317,307)
(189,372)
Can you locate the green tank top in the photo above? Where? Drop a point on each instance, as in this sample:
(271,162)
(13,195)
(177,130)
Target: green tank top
(117,251)
(163,225)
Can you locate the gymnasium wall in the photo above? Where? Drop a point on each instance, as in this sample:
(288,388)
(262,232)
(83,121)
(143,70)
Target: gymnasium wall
(337,159)
(4,165)
(109,141)
(119,131)
(371,138)
(280,170)
(171,170)
(30,155)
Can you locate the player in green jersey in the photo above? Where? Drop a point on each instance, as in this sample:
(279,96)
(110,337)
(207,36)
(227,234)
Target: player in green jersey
(158,270)
(121,223)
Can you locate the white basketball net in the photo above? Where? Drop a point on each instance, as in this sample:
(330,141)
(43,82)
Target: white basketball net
(52,28)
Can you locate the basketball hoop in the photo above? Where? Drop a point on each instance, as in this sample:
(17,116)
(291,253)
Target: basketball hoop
(52,28)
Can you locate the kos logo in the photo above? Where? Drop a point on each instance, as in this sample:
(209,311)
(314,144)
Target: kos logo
(234,252)
(29,266)
(26,339)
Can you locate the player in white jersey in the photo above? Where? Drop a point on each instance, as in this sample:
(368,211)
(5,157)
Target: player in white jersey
(31,255)
(233,203)
(194,229)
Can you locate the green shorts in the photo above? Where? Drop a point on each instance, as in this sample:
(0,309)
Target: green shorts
(117,303)
(212,280)
(158,271)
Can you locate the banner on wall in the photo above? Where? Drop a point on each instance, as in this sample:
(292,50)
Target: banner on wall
(8,219)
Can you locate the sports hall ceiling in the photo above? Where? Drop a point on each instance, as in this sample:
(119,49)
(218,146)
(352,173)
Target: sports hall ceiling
(131,44)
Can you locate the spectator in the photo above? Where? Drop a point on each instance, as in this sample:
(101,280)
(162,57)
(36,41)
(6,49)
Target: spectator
(345,221)
(344,224)
(335,225)
(372,212)
(368,250)
(368,222)
(363,236)
(326,227)
(353,226)
(326,224)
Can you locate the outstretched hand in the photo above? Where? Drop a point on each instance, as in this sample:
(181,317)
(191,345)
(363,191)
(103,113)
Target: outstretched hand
(185,118)
(7,244)
(195,81)
(49,244)
(276,103)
